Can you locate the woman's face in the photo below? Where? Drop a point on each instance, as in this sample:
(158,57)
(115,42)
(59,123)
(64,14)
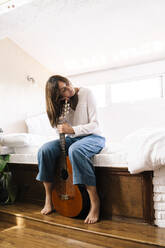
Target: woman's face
(66,91)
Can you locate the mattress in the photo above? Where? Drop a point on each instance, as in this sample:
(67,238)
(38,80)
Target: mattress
(23,158)
(26,152)
(103,160)
(118,159)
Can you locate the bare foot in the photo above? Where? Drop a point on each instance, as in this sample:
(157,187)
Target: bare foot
(94,213)
(48,208)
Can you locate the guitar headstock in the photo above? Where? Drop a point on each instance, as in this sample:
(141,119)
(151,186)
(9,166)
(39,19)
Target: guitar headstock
(65,111)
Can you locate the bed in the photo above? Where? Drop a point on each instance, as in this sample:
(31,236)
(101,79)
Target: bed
(123,195)
(125,190)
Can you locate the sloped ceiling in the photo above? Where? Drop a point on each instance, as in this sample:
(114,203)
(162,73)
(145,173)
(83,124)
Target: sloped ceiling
(76,36)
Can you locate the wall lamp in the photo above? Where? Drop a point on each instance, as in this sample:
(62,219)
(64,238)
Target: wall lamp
(30,79)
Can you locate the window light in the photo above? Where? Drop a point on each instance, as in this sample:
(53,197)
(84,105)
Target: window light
(136,90)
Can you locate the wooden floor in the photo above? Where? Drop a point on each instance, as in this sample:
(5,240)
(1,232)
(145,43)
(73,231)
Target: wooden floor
(22,226)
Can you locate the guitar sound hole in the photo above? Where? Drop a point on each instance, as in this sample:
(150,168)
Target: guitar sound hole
(64,174)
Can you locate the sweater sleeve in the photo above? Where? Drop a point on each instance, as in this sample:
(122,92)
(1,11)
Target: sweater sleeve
(93,124)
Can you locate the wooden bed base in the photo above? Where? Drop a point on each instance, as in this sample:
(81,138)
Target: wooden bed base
(122,194)
(125,195)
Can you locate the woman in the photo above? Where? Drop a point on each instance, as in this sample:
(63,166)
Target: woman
(82,142)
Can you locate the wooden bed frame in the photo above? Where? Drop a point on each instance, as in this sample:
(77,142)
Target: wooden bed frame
(123,195)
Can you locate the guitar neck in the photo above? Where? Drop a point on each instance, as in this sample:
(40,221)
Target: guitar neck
(62,119)
(63,151)
(63,143)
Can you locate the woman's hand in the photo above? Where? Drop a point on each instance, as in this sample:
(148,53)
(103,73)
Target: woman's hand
(65,128)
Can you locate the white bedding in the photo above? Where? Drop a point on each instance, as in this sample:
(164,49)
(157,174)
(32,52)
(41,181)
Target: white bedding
(140,151)
(145,149)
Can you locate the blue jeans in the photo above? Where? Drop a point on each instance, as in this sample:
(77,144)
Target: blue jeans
(80,151)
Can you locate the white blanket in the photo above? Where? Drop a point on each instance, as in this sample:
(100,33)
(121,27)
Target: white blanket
(145,149)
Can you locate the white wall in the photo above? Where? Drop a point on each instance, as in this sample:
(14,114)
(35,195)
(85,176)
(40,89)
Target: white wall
(18,97)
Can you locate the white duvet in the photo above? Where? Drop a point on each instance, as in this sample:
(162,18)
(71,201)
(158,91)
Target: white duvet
(145,149)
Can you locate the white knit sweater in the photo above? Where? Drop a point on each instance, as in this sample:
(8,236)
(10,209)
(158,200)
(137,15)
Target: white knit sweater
(84,119)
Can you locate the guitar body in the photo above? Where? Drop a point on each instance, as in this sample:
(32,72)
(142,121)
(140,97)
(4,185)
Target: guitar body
(68,199)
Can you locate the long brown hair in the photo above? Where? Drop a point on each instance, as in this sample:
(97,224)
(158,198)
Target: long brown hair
(54,104)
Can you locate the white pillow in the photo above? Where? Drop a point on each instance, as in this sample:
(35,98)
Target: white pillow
(14,139)
(25,139)
(39,124)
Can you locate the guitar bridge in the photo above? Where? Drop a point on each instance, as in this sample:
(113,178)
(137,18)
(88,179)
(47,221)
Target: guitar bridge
(65,197)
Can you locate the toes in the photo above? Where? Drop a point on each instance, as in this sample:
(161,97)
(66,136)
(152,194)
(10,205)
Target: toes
(86,221)
(91,220)
(43,211)
(46,211)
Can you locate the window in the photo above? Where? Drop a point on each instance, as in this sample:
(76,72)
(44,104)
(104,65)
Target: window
(136,90)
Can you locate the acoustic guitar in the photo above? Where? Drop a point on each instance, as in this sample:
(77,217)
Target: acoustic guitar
(68,199)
